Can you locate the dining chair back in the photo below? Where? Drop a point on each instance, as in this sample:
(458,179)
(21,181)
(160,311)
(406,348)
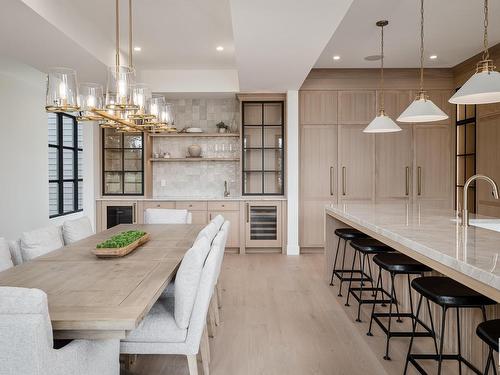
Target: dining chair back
(76,230)
(5,256)
(40,241)
(167,216)
(26,342)
(210,231)
(218,220)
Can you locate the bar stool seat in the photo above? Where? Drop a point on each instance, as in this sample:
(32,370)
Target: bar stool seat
(367,247)
(371,245)
(400,263)
(346,234)
(448,292)
(349,234)
(489,332)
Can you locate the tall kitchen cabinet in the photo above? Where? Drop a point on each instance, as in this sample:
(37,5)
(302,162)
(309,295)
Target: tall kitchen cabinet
(318,163)
(355,148)
(340,163)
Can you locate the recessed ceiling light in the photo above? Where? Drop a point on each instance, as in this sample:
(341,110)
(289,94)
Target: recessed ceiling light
(336,57)
(137,49)
(220,48)
(433,57)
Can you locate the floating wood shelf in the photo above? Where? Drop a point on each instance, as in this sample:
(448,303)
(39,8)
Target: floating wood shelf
(192,159)
(195,135)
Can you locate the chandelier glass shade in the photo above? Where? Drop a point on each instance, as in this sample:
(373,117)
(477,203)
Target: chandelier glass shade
(62,90)
(90,97)
(119,87)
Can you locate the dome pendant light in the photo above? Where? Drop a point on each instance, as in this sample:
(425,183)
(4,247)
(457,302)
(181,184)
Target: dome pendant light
(382,123)
(484,86)
(422,109)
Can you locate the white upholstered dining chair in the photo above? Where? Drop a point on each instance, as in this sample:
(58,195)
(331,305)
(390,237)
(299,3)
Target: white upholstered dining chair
(76,230)
(26,343)
(5,255)
(167,216)
(40,241)
(170,327)
(218,221)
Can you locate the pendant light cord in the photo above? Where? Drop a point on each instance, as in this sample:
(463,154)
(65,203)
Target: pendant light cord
(130,34)
(382,68)
(486,53)
(422,45)
(117,30)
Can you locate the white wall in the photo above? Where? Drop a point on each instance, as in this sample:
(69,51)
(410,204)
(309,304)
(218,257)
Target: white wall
(23,152)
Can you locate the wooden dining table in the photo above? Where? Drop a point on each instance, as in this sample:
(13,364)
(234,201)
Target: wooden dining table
(100,298)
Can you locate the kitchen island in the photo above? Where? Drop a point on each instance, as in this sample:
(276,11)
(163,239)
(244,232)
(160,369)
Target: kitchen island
(430,235)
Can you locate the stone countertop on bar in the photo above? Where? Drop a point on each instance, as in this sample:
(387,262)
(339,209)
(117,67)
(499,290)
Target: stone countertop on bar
(433,233)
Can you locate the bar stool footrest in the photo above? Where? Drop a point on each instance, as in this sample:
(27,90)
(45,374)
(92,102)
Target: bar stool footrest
(427,333)
(446,357)
(340,275)
(370,291)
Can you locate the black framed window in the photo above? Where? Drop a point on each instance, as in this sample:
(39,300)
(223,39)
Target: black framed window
(122,163)
(65,161)
(465,147)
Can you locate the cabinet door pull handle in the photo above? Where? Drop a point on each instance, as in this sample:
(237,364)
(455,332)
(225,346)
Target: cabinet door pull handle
(210,216)
(407,181)
(134,213)
(331,181)
(344,181)
(248,212)
(419,182)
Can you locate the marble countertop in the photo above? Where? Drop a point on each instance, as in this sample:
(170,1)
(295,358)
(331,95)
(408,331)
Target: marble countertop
(198,198)
(434,233)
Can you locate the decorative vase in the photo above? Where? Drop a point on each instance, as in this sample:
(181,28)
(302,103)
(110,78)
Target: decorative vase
(194,151)
(222,130)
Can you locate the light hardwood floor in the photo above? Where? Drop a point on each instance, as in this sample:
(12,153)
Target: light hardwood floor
(279,316)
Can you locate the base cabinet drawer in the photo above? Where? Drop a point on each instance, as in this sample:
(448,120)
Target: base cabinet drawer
(191,206)
(233,239)
(223,206)
(170,205)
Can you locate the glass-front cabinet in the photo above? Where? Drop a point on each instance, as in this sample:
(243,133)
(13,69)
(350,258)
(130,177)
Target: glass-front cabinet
(123,163)
(263,148)
(465,154)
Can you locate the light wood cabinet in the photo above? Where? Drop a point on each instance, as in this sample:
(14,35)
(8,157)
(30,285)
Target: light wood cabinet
(356,166)
(318,180)
(233,239)
(318,107)
(156,204)
(263,225)
(395,102)
(432,177)
(356,107)
(394,164)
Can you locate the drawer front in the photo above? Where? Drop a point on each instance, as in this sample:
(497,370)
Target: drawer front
(191,206)
(159,205)
(199,217)
(223,206)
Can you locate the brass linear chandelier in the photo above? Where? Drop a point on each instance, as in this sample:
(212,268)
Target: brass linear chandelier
(127,106)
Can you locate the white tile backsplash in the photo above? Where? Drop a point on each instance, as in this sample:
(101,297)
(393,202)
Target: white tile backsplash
(200,178)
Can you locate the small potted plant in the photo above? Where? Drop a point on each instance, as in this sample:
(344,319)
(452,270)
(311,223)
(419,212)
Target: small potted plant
(222,127)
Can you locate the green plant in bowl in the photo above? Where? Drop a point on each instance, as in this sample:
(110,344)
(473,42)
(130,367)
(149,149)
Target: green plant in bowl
(121,240)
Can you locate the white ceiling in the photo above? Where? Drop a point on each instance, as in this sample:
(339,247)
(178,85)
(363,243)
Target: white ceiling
(269,45)
(453,31)
(173,34)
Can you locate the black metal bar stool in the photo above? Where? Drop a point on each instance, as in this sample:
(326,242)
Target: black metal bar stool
(447,293)
(398,264)
(366,247)
(489,332)
(346,234)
